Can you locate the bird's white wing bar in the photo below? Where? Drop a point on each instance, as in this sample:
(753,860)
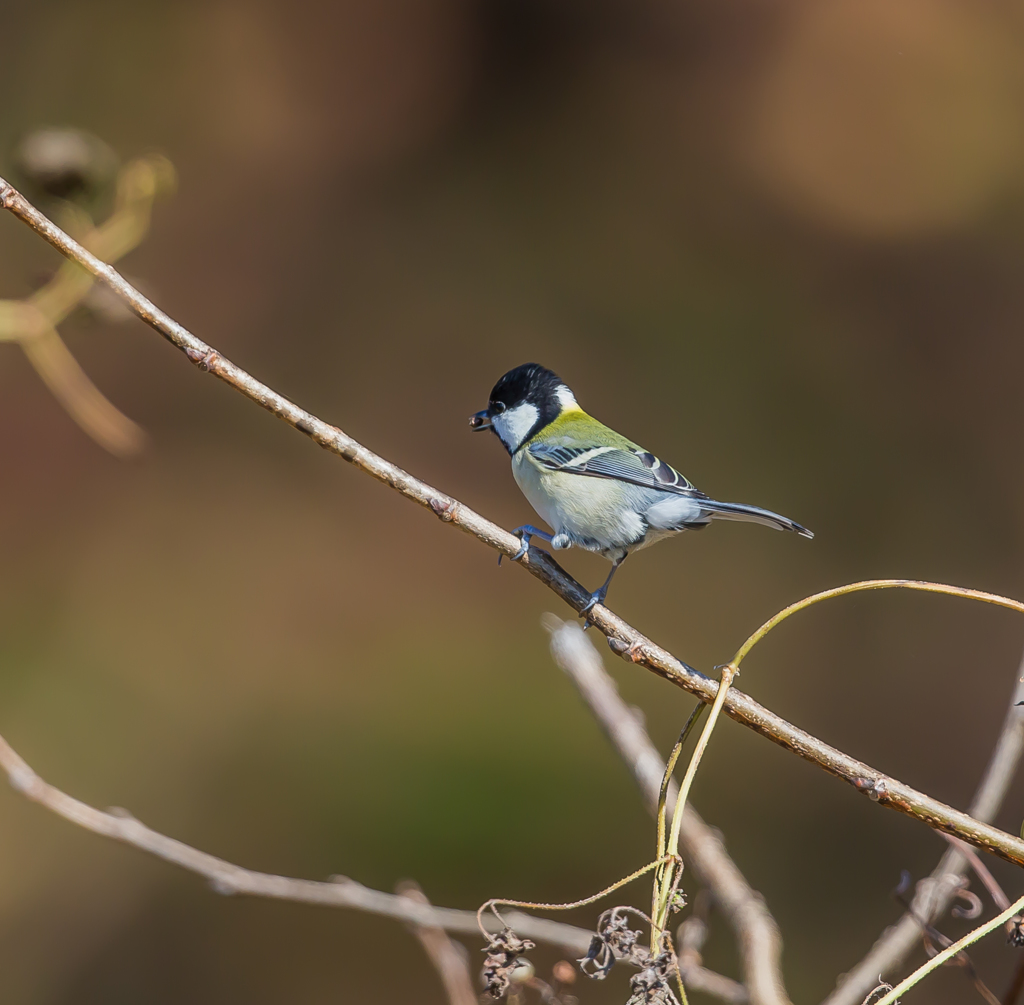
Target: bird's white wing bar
(637,467)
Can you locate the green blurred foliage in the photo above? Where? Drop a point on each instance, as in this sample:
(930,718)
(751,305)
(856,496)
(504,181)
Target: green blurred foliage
(780,246)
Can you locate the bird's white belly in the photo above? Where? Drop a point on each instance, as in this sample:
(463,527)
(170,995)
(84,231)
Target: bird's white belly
(594,512)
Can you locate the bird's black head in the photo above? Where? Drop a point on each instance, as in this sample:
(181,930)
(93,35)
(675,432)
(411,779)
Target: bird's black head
(522,403)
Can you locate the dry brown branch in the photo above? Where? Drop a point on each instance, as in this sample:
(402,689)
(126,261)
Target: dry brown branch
(935,894)
(623,638)
(448,958)
(700,845)
(227,878)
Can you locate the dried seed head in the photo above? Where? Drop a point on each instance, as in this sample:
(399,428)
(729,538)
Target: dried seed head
(504,963)
(1016,935)
(651,986)
(614,940)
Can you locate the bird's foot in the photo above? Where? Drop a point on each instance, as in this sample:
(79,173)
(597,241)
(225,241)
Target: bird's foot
(597,597)
(525,533)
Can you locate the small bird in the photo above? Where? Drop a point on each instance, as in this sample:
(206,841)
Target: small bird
(598,490)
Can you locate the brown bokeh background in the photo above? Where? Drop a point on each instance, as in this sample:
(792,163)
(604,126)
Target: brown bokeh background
(781,245)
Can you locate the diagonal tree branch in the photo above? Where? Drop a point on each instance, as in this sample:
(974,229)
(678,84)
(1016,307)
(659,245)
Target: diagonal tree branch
(935,893)
(701,846)
(622,637)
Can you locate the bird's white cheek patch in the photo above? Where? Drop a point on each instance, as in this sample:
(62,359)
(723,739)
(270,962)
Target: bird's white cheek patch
(514,425)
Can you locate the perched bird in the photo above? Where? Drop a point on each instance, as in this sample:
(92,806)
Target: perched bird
(596,489)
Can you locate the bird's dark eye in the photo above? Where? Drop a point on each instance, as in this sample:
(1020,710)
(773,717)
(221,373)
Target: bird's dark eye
(498,407)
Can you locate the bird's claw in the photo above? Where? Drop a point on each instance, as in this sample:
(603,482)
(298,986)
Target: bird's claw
(597,597)
(523,549)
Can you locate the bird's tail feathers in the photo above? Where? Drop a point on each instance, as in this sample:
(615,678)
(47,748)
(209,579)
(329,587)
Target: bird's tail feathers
(752,514)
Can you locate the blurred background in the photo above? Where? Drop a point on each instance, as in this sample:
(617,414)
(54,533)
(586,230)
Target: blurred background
(780,245)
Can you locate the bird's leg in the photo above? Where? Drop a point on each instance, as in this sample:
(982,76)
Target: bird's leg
(525,533)
(597,597)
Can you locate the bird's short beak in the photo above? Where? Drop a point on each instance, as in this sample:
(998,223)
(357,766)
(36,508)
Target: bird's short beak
(482,420)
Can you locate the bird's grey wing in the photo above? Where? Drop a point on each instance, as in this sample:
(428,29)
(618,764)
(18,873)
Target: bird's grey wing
(638,467)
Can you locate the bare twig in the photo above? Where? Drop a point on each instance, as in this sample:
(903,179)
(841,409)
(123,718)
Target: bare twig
(623,638)
(449,959)
(995,891)
(935,894)
(227,878)
(700,845)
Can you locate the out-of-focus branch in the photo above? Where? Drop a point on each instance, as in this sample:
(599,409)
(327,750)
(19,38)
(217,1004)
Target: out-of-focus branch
(227,878)
(428,923)
(690,938)
(448,958)
(701,846)
(32,322)
(82,400)
(622,637)
(935,894)
(995,891)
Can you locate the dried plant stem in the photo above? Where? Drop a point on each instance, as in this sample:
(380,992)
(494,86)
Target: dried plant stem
(950,951)
(623,638)
(757,934)
(872,584)
(495,902)
(667,878)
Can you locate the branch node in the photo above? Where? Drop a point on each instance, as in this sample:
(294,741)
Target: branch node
(21,777)
(224,886)
(444,508)
(121,813)
(204,360)
(874,789)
